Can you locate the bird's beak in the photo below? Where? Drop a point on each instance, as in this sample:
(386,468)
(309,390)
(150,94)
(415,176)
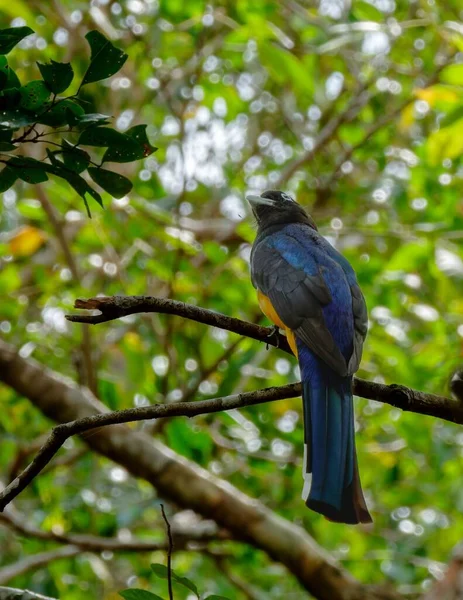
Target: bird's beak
(256,200)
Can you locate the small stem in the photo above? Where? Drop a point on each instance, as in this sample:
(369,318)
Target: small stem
(169,553)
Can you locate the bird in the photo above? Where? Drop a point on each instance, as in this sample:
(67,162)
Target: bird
(310,291)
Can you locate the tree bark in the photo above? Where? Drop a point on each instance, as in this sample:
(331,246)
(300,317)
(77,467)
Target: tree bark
(187,484)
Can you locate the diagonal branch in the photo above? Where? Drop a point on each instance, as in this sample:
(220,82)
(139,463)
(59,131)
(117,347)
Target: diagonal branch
(187,484)
(399,396)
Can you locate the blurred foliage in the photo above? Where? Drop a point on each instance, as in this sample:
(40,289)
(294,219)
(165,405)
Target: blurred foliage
(234,94)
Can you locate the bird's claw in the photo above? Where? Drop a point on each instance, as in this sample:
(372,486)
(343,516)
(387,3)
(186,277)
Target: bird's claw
(275,333)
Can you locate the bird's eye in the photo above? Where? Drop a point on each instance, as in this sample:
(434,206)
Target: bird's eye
(287,198)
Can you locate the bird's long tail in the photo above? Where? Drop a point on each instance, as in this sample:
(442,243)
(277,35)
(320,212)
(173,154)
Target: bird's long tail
(334,489)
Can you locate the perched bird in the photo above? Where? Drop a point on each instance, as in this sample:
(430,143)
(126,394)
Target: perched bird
(311,292)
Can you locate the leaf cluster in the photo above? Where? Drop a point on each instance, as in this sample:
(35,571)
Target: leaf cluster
(31,113)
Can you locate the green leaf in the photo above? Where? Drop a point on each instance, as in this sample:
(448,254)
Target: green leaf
(113,183)
(162,572)
(7,147)
(453,74)
(138,133)
(138,594)
(105,59)
(12,36)
(93,119)
(101,136)
(64,112)
(75,158)
(12,120)
(364,11)
(216,597)
(28,169)
(8,78)
(7,177)
(452,116)
(57,76)
(34,95)
(126,150)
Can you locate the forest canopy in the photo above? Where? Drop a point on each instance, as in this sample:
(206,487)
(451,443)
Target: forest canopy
(355,109)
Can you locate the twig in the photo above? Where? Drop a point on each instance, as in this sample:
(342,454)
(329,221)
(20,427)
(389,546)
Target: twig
(8,593)
(170,548)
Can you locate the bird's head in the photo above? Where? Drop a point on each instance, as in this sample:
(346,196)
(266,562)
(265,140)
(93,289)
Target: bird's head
(278,208)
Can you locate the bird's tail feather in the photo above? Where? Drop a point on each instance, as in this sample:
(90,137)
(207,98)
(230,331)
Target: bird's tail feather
(334,488)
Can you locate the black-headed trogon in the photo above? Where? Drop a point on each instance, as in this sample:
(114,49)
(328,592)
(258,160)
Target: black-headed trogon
(310,290)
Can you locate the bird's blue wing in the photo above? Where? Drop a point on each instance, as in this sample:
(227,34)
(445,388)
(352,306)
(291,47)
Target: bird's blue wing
(309,292)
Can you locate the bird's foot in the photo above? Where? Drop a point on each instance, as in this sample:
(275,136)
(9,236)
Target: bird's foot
(275,333)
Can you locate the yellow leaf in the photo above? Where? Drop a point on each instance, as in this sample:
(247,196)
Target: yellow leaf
(437,95)
(26,241)
(407,117)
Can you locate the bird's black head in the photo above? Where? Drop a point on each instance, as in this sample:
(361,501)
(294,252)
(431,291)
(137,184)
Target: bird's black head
(277,208)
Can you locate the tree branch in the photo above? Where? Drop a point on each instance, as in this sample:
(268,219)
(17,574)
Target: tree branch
(36,560)
(399,396)
(7,593)
(187,484)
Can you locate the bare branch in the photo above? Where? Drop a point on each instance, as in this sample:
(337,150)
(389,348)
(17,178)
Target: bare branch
(399,396)
(170,549)
(36,560)
(7,593)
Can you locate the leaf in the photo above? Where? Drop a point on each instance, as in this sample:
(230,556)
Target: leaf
(7,147)
(453,74)
(61,113)
(216,597)
(445,143)
(105,59)
(138,594)
(8,78)
(93,119)
(12,36)
(13,120)
(7,178)
(75,158)
(452,116)
(364,11)
(113,183)
(57,76)
(126,150)
(138,133)
(26,241)
(162,572)
(34,95)
(28,169)
(101,136)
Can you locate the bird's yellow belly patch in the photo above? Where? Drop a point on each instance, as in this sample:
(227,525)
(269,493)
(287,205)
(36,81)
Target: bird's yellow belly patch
(268,310)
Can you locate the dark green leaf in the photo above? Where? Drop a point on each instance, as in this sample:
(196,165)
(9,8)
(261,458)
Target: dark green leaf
(452,116)
(8,78)
(75,158)
(34,95)
(162,572)
(12,36)
(28,169)
(105,58)
(138,133)
(113,183)
(57,76)
(125,151)
(7,147)
(13,120)
(138,594)
(62,113)
(159,570)
(101,136)
(7,177)
(93,119)
(216,597)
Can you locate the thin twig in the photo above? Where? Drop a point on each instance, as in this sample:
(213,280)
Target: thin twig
(170,549)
